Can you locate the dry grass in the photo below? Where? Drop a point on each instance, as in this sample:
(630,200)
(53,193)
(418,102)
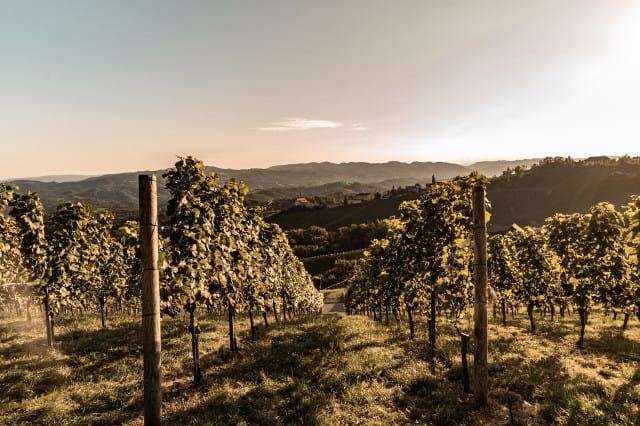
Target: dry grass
(327,370)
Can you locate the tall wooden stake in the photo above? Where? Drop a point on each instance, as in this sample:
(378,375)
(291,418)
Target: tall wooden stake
(150,299)
(480,305)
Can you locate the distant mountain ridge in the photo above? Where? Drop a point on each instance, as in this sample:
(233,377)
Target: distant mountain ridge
(56,178)
(119,191)
(526,195)
(523,196)
(315,174)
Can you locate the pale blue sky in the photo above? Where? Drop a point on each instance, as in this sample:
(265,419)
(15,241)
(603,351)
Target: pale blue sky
(106,86)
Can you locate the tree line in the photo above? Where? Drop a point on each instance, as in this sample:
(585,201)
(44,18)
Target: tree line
(424,264)
(316,240)
(217,255)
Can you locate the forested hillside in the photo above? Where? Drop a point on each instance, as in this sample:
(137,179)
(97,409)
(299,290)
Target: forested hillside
(559,185)
(119,191)
(333,218)
(519,195)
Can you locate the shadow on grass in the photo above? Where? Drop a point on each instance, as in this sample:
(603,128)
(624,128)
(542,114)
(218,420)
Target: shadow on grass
(85,367)
(627,394)
(279,379)
(33,371)
(556,330)
(612,342)
(559,396)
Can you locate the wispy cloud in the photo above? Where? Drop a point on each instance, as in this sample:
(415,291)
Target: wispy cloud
(290,124)
(359,128)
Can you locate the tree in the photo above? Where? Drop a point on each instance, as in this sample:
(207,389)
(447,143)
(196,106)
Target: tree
(189,235)
(425,257)
(437,233)
(11,262)
(28,212)
(104,260)
(592,253)
(536,274)
(214,250)
(607,261)
(565,235)
(632,221)
(503,271)
(129,240)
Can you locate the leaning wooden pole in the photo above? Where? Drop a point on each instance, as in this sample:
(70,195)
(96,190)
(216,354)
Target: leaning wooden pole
(480,301)
(150,299)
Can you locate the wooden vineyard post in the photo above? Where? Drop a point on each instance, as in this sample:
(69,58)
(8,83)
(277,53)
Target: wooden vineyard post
(150,299)
(47,316)
(480,299)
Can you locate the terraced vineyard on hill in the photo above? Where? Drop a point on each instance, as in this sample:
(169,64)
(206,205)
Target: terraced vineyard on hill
(564,341)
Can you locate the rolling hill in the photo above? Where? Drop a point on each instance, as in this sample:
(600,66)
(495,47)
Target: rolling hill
(525,197)
(57,178)
(333,218)
(119,191)
(561,186)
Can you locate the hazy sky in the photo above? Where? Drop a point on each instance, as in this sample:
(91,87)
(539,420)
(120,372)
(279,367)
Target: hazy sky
(106,86)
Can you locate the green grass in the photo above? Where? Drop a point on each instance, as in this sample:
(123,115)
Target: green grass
(327,370)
